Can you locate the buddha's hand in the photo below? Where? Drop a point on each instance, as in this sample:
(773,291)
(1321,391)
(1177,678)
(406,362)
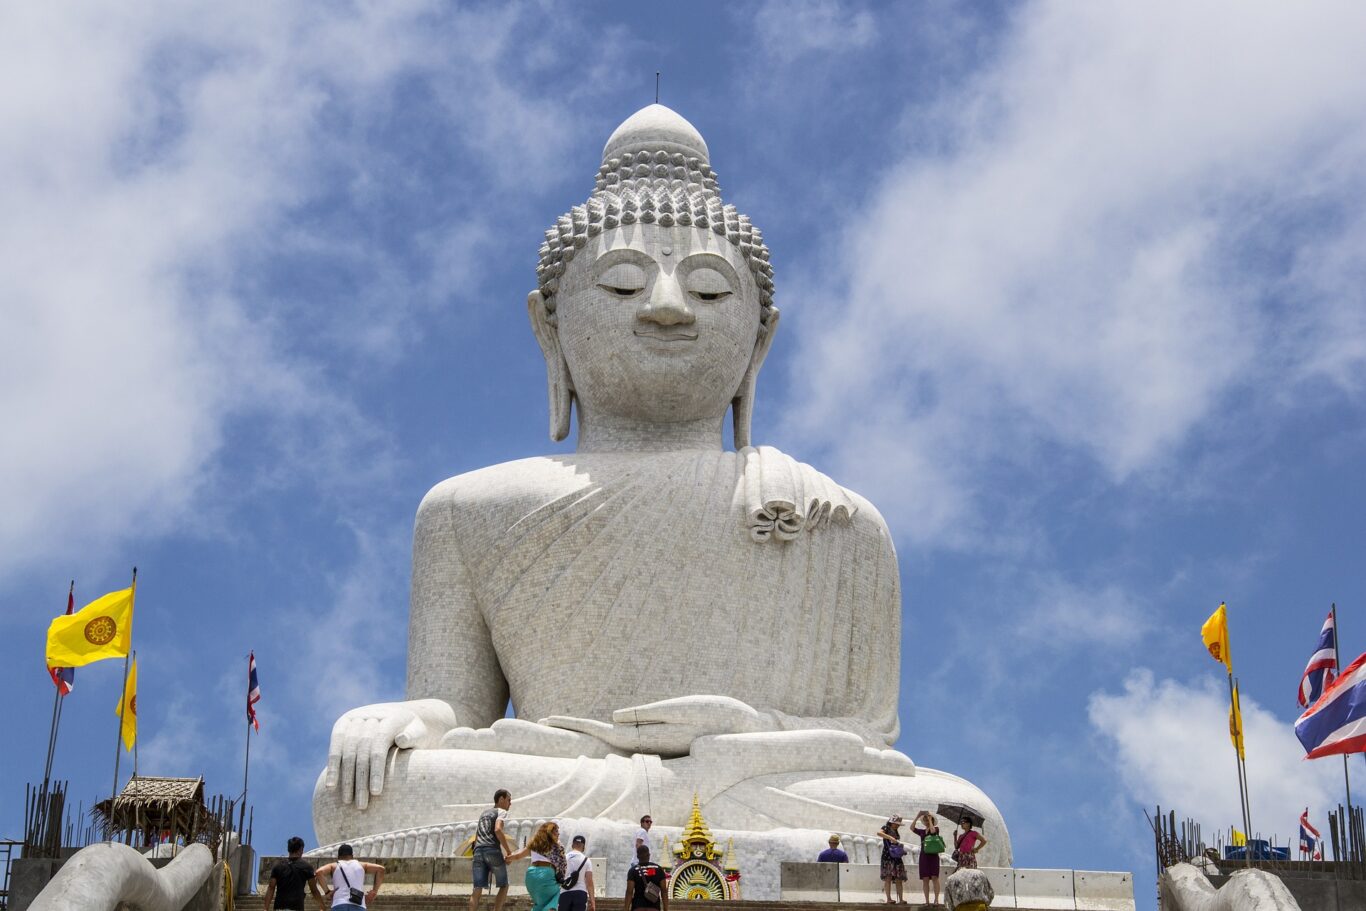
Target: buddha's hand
(514,735)
(362,738)
(669,727)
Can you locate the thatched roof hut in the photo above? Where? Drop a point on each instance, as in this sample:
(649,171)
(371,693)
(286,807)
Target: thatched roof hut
(161,807)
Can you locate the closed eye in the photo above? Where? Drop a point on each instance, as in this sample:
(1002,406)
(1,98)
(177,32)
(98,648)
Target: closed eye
(619,291)
(711,295)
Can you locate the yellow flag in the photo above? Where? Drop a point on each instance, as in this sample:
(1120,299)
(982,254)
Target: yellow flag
(102,629)
(1239,838)
(1215,634)
(1235,723)
(128,707)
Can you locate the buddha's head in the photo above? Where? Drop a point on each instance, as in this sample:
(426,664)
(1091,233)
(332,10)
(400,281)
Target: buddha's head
(655,301)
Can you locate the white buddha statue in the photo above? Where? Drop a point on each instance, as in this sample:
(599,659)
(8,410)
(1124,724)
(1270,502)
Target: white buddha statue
(667,617)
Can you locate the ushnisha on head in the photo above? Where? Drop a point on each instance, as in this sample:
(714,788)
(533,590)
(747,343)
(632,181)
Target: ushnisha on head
(654,307)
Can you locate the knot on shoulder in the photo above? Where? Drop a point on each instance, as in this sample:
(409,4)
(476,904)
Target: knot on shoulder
(782,497)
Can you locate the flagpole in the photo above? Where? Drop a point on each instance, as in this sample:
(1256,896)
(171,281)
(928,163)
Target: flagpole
(56,706)
(118,734)
(1337,665)
(52,734)
(1242,755)
(242,815)
(1238,761)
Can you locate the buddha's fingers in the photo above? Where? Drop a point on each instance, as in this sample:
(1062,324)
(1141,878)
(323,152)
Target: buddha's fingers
(361,750)
(348,764)
(334,756)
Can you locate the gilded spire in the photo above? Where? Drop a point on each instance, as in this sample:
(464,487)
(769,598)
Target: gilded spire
(696,829)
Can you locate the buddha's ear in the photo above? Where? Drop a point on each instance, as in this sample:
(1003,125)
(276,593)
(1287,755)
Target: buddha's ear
(742,406)
(559,389)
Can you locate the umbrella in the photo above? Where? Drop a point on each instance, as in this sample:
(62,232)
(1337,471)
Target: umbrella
(959,812)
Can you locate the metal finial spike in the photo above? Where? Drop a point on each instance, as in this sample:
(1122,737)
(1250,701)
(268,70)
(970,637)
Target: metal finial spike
(656,86)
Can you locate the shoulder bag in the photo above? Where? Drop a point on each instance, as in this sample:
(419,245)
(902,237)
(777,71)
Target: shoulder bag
(357,896)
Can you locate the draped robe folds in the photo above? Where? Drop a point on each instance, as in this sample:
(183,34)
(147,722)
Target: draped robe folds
(583,584)
(606,581)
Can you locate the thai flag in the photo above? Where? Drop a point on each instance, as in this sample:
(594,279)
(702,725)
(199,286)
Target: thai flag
(1309,836)
(1322,666)
(64,678)
(1337,722)
(253,691)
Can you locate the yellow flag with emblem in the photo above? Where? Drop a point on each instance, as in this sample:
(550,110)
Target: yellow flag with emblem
(128,707)
(102,629)
(1235,723)
(1215,635)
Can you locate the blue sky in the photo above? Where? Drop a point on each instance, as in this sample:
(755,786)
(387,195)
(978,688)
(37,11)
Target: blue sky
(1072,293)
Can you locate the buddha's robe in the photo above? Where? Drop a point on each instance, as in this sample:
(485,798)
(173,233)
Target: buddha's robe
(584,584)
(595,582)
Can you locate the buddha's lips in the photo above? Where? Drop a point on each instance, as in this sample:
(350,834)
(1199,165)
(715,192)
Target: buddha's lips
(677,335)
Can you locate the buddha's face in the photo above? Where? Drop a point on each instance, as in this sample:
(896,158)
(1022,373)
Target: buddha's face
(657,324)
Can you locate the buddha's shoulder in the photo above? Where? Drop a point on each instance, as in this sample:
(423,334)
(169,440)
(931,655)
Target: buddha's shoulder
(513,489)
(507,485)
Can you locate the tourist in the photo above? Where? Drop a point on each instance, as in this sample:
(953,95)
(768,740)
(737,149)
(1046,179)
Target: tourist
(287,879)
(893,868)
(577,894)
(643,833)
(547,866)
(646,884)
(344,880)
(833,854)
(931,846)
(966,844)
(491,849)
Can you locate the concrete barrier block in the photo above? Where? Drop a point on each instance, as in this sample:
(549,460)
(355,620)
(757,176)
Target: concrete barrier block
(455,876)
(861,883)
(408,875)
(1045,890)
(808,882)
(1003,882)
(1103,891)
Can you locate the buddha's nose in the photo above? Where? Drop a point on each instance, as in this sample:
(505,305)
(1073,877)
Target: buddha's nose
(666,305)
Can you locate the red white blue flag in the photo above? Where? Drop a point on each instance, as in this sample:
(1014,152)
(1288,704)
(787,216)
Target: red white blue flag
(1322,666)
(253,691)
(1309,837)
(64,678)
(1336,723)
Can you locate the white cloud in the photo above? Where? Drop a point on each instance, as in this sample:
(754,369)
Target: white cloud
(789,30)
(1171,747)
(1060,614)
(153,155)
(1140,210)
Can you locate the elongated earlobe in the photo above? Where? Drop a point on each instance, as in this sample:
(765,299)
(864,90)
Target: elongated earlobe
(559,389)
(742,406)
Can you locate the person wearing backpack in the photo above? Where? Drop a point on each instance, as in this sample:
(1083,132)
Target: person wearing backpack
(647,885)
(931,846)
(577,888)
(287,878)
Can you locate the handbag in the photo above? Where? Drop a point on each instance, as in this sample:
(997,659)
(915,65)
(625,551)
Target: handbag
(896,851)
(357,897)
(932,843)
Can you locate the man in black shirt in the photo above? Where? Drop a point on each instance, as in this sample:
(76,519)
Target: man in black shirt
(287,880)
(647,885)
